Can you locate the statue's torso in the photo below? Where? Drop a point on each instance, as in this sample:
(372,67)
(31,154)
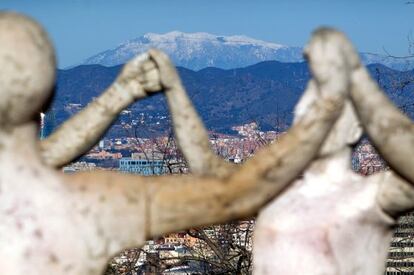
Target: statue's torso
(325,223)
(38,232)
(49,226)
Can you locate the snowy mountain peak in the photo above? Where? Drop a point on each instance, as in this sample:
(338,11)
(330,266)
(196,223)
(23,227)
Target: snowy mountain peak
(207,37)
(199,50)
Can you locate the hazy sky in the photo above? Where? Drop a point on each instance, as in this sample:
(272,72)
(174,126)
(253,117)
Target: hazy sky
(81,28)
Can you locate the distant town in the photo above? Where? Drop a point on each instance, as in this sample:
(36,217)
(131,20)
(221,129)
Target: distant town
(160,155)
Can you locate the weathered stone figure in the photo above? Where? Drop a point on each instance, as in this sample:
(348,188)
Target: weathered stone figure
(331,221)
(392,133)
(73,224)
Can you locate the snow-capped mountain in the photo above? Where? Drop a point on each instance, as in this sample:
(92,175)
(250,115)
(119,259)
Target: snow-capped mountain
(199,50)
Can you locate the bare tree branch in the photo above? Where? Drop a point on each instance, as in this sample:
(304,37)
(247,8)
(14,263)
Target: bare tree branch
(395,56)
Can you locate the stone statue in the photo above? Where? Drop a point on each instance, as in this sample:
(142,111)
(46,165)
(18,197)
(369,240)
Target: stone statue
(73,224)
(330,221)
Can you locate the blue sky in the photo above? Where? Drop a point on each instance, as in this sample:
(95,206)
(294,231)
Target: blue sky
(81,28)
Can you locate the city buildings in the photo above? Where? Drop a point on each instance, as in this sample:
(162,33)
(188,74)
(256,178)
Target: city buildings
(142,166)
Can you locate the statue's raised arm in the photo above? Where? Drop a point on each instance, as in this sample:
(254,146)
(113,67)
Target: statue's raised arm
(138,78)
(389,129)
(391,132)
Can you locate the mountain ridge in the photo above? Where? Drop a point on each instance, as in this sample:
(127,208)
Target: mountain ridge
(265,93)
(200,50)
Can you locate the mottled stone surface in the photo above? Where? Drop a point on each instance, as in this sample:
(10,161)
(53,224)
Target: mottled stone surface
(330,221)
(333,221)
(73,224)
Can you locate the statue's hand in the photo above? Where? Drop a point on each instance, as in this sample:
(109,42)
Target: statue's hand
(331,58)
(140,76)
(169,77)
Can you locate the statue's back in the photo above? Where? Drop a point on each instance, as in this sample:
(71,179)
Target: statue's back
(323,225)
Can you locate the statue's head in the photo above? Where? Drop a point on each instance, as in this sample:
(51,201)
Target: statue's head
(27,68)
(346,131)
